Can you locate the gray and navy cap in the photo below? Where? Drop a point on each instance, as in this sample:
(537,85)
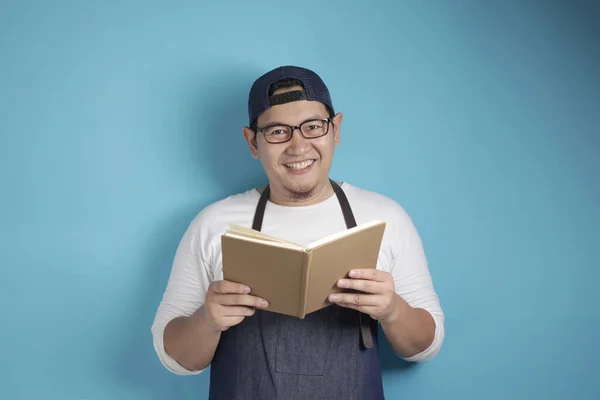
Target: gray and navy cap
(314,89)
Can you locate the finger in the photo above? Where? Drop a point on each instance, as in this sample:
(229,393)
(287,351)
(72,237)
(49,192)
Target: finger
(227,287)
(238,311)
(370,274)
(363,285)
(243,300)
(357,299)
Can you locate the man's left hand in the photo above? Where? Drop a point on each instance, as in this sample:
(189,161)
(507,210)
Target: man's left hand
(376,295)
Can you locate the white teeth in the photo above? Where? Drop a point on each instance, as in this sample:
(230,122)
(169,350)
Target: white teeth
(300,165)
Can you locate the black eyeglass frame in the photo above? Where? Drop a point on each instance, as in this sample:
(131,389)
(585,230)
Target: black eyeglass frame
(329,120)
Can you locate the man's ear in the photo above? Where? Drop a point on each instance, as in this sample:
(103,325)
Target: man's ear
(337,124)
(250,138)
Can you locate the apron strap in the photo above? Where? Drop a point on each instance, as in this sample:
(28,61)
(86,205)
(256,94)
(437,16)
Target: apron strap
(346,210)
(365,319)
(259,214)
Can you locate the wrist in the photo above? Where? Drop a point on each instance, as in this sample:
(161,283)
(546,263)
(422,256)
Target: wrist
(400,309)
(201,322)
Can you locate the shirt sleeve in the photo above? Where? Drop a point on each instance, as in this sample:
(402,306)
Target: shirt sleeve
(185,293)
(412,281)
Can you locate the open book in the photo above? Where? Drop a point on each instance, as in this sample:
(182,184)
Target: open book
(297,280)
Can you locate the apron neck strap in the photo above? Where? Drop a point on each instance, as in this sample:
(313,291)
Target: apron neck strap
(341,196)
(259,214)
(346,210)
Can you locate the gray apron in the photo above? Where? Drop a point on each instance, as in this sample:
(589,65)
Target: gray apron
(330,354)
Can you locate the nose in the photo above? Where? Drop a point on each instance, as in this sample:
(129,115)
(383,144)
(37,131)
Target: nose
(298,144)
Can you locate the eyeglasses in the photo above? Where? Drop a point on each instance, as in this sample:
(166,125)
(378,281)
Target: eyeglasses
(310,129)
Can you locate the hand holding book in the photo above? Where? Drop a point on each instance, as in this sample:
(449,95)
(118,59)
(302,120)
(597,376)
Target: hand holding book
(228,303)
(373,293)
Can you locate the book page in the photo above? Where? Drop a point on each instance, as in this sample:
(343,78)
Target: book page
(342,234)
(243,231)
(268,242)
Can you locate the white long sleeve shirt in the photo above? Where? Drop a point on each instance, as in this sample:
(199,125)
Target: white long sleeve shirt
(198,260)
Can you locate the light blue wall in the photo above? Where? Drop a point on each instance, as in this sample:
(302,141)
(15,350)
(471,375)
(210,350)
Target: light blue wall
(120,120)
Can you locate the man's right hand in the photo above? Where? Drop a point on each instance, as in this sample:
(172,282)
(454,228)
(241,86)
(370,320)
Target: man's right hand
(228,303)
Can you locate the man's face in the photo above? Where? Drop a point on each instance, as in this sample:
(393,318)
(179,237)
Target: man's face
(280,161)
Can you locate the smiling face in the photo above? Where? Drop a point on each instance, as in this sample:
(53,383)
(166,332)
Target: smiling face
(298,170)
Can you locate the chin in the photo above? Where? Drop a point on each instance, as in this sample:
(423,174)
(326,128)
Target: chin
(301,194)
(301,190)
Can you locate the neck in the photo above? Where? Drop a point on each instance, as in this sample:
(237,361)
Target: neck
(285,197)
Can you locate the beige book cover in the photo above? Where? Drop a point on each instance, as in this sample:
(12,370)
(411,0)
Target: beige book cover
(297,280)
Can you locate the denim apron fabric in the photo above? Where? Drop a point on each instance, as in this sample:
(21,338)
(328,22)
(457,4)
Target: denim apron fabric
(330,354)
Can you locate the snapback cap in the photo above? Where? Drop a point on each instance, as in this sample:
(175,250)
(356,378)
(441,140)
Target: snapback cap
(314,89)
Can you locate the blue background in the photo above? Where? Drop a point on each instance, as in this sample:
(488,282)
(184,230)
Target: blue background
(120,120)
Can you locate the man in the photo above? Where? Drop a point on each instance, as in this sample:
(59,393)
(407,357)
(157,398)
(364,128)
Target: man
(332,353)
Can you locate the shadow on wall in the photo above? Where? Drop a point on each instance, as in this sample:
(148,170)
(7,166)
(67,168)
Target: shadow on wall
(223,155)
(137,365)
(218,111)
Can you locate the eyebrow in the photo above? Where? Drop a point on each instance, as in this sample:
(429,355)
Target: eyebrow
(275,123)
